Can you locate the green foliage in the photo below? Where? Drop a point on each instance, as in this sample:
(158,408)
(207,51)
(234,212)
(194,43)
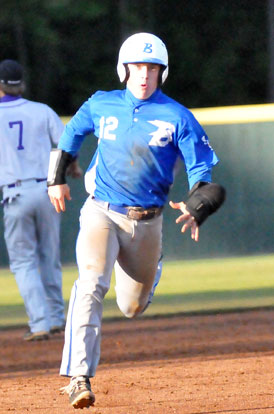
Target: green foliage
(69,49)
(186,286)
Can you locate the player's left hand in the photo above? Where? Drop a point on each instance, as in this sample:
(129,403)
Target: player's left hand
(190,221)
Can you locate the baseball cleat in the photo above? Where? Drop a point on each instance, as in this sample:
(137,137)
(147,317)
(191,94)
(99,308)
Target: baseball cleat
(57,329)
(36,336)
(79,391)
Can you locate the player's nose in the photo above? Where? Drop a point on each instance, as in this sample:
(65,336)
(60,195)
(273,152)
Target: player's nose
(144,71)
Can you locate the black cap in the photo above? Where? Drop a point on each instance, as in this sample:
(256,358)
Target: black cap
(11,72)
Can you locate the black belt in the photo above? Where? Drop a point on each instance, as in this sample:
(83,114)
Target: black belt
(134,213)
(18,183)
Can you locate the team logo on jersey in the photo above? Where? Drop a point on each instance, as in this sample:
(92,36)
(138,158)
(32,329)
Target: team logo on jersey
(163,134)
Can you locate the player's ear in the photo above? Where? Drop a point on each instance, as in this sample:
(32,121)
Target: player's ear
(160,76)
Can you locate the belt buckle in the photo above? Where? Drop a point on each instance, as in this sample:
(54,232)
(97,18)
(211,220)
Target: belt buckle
(133,214)
(18,183)
(138,215)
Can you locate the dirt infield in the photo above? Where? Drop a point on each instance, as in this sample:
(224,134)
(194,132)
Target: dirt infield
(211,364)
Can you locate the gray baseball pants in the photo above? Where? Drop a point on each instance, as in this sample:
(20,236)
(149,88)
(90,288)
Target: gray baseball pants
(106,240)
(32,228)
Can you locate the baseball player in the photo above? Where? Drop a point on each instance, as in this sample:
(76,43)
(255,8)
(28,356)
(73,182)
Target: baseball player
(31,224)
(141,132)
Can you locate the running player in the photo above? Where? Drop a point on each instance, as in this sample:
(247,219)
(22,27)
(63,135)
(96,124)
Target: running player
(141,134)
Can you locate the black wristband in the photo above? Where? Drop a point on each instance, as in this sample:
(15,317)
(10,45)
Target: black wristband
(204,200)
(59,162)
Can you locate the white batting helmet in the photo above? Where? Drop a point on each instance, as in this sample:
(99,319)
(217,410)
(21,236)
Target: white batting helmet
(142,48)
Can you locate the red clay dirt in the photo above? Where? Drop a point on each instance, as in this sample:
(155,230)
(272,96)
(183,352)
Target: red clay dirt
(209,364)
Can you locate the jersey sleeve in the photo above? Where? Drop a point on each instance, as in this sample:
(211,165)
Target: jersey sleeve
(199,157)
(55,126)
(80,125)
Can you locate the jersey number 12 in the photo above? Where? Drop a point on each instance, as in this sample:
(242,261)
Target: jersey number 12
(107,126)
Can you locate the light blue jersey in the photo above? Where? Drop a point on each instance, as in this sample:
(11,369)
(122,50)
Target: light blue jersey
(28,131)
(139,143)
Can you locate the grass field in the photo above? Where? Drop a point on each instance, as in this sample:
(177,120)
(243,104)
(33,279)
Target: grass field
(186,286)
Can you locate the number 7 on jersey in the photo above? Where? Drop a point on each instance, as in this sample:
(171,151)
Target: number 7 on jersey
(20,124)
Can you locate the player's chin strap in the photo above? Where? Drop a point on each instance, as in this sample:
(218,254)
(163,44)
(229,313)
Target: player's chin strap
(58,164)
(204,199)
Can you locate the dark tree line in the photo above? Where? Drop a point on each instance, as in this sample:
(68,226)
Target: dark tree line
(218,49)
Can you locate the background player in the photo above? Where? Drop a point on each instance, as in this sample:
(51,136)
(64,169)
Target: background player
(141,133)
(31,225)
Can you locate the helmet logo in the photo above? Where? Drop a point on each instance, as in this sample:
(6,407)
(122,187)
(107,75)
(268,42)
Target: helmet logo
(148,48)
(142,48)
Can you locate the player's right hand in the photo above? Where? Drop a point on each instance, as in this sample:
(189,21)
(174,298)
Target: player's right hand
(58,194)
